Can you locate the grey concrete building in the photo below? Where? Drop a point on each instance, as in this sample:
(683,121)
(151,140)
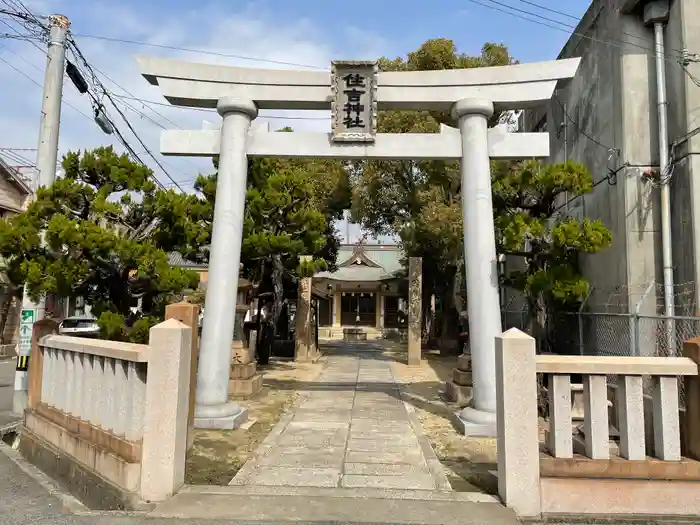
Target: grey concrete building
(606,118)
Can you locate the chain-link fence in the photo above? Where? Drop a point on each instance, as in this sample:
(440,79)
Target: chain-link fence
(622,322)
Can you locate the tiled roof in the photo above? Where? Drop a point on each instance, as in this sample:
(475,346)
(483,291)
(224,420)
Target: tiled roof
(386,256)
(176,259)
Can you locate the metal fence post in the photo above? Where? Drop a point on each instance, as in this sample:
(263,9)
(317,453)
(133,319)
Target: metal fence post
(580,321)
(635,335)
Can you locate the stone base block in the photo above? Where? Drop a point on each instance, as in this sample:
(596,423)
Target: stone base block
(245,387)
(476,423)
(243,371)
(100,479)
(464,362)
(459,394)
(241,354)
(224,422)
(462,377)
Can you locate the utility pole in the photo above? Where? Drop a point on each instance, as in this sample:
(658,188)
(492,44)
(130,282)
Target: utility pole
(46,158)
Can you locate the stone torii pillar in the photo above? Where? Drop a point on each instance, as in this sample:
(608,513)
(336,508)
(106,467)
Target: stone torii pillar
(212,407)
(483,302)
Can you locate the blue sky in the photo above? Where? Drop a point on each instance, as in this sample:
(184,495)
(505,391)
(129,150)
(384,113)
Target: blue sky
(309,32)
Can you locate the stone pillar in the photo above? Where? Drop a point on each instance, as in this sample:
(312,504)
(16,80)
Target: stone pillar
(188,314)
(376,310)
(165,412)
(380,309)
(336,307)
(517,445)
(481,264)
(690,423)
(40,329)
(213,409)
(302,318)
(415,288)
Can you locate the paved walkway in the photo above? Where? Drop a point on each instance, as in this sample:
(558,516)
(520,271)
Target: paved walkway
(352,430)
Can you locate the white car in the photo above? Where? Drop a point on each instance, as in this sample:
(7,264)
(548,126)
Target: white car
(79,326)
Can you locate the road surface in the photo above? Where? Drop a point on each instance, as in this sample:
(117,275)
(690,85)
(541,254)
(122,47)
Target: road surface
(7,375)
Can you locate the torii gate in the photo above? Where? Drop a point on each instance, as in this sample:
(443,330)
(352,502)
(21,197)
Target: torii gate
(470,95)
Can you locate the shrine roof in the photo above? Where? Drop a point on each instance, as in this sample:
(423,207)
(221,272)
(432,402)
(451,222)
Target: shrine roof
(366,262)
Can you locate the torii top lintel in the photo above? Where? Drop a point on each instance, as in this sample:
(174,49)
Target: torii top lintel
(517,86)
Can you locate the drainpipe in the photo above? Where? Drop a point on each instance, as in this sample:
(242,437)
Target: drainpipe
(657,13)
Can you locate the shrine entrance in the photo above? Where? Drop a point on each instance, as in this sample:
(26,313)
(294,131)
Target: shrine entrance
(358,309)
(354,92)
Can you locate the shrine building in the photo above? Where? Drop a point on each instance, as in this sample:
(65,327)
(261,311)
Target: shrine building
(368,290)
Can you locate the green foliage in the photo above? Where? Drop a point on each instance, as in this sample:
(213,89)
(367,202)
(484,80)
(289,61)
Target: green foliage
(528,226)
(141,328)
(282,220)
(112,327)
(96,224)
(290,208)
(419,201)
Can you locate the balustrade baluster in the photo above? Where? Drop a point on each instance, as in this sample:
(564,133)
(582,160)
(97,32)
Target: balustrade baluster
(667,435)
(630,415)
(595,399)
(560,430)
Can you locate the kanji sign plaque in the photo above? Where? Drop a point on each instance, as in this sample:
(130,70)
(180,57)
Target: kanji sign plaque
(354,102)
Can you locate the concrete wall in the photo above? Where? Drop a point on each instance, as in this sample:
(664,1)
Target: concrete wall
(684,116)
(612,125)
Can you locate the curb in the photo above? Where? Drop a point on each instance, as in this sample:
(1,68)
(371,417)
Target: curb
(68,503)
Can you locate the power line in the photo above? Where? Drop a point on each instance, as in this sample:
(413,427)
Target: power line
(192,50)
(104,92)
(25,37)
(610,176)
(562,26)
(16,158)
(544,8)
(38,84)
(581,130)
(97,103)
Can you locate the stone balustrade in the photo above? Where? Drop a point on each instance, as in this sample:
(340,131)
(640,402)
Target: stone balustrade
(102,383)
(106,411)
(662,371)
(548,466)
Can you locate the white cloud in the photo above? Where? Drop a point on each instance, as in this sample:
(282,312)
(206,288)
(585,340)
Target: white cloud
(251,33)
(246,33)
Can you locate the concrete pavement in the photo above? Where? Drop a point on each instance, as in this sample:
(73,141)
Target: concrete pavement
(25,501)
(7,376)
(352,430)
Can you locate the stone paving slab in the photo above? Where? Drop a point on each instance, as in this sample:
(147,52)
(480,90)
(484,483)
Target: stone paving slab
(350,431)
(412,457)
(380,446)
(415,482)
(383,469)
(297,477)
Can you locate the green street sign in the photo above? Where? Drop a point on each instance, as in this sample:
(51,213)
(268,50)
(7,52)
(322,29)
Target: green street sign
(28,316)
